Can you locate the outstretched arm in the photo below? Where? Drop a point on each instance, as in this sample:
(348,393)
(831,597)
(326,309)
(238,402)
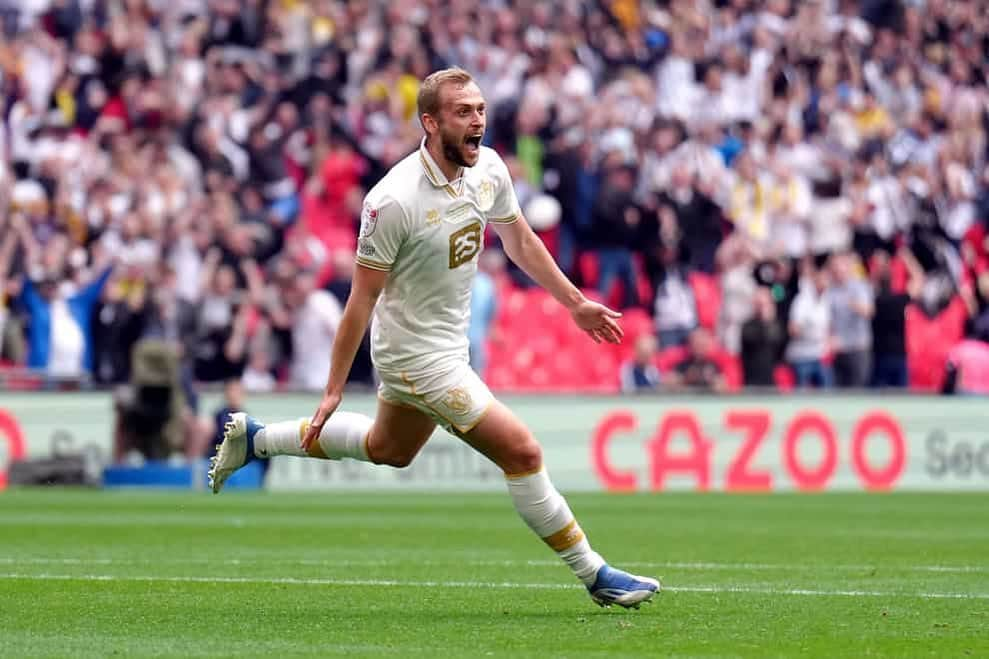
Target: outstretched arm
(527,251)
(367,286)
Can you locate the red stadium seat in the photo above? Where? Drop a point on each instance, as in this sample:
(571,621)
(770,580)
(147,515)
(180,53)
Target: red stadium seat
(707,294)
(784,378)
(537,347)
(636,322)
(668,358)
(587,264)
(731,368)
(928,343)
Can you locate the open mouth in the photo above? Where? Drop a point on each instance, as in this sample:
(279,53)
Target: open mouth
(473,143)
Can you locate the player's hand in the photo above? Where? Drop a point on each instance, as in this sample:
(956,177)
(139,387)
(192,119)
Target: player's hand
(326,408)
(600,322)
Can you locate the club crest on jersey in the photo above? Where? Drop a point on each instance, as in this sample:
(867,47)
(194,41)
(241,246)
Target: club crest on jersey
(485,195)
(465,244)
(369,220)
(458,400)
(432,217)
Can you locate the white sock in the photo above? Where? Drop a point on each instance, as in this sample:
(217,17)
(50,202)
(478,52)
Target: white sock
(282,438)
(547,513)
(343,436)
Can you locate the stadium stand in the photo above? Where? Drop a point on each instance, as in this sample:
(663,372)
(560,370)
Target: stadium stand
(216,150)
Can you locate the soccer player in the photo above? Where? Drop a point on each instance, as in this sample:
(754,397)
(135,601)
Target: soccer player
(421,232)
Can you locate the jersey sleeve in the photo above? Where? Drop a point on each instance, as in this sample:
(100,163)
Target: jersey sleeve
(384,228)
(505,208)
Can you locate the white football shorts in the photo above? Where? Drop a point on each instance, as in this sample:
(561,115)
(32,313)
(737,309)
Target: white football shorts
(455,397)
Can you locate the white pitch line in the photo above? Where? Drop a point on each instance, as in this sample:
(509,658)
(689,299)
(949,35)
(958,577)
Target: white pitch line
(477,584)
(329,562)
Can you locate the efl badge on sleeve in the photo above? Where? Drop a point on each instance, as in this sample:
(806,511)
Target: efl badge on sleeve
(485,195)
(369,220)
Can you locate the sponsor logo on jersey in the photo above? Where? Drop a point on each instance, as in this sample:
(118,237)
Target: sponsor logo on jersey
(365,248)
(465,244)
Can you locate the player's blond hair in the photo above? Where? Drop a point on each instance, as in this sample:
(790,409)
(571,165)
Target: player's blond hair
(428,100)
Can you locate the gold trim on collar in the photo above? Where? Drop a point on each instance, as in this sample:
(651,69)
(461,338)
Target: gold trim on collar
(434,179)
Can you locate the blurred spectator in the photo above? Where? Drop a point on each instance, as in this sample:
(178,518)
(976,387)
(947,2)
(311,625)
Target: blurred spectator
(60,340)
(155,409)
(699,370)
(314,317)
(968,368)
(616,227)
(852,310)
(889,367)
(574,180)
(220,338)
(640,374)
(738,288)
(761,340)
(675,311)
(483,307)
(257,376)
(789,208)
(809,329)
(118,324)
(750,201)
(698,218)
(7,247)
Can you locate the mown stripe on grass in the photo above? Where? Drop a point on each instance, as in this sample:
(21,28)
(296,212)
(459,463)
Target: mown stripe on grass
(330,562)
(390,583)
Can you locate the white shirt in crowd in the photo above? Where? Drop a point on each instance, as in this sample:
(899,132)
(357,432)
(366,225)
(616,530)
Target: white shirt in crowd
(830,228)
(811,315)
(3,322)
(888,201)
(68,344)
(256,381)
(312,340)
(792,202)
(675,87)
(675,307)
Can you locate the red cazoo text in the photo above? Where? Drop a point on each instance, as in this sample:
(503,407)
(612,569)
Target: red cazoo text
(753,428)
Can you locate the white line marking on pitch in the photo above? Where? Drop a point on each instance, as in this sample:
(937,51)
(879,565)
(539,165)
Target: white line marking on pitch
(478,584)
(329,562)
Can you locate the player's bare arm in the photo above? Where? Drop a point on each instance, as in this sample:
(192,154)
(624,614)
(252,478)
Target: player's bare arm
(527,251)
(367,286)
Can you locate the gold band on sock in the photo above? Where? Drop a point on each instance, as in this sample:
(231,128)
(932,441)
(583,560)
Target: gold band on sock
(315,450)
(523,474)
(565,538)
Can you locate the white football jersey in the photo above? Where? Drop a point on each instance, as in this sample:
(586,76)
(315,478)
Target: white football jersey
(427,233)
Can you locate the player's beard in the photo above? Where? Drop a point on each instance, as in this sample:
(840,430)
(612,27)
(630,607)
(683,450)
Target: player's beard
(453,149)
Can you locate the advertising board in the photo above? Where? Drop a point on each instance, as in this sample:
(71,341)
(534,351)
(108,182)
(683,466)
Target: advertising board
(639,444)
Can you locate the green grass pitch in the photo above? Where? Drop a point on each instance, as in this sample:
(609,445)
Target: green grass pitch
(384,575)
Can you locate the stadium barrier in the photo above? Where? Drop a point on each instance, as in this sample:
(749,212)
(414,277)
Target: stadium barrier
(628,444)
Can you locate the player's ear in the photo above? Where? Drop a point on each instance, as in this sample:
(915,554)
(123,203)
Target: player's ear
(429,123)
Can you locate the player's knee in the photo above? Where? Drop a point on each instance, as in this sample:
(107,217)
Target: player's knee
(397,459)
(527,456)
(401,461)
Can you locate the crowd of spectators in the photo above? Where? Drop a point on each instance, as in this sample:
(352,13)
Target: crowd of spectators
(192,171)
